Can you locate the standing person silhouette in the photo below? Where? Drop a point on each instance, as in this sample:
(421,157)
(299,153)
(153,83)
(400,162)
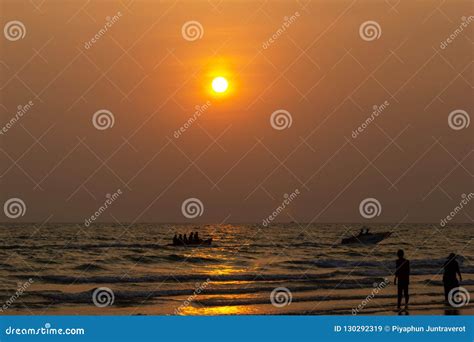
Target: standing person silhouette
(451,270)
(402,274)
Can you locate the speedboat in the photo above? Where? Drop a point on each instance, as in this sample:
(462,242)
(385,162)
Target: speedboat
(366,239)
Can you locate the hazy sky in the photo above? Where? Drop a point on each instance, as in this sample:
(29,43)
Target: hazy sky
(311,59)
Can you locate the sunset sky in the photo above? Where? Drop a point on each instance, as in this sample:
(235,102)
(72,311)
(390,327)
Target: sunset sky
(319,69)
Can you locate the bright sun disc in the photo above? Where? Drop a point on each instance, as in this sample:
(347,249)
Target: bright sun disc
(219,84)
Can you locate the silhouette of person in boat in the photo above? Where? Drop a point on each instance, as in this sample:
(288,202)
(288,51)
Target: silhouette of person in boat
(402,274)
(192,240)
(451,271)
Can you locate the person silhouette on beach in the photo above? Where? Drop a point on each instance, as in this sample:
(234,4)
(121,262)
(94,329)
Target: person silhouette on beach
(451,270)
(402,273)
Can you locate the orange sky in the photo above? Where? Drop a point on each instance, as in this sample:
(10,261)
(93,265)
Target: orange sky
(151,79)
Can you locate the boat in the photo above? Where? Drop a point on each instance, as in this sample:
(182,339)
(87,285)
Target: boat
(206,242)
(366,239)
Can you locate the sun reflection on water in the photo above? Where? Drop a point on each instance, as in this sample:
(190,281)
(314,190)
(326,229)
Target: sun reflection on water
(220,310)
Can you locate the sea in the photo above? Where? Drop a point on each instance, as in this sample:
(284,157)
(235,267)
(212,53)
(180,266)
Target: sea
(281,269)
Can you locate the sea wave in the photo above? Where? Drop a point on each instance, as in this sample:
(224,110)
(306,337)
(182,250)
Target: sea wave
(149,259)
(125,295)
(295,299)
(84,246)
(387,264)
(255,277)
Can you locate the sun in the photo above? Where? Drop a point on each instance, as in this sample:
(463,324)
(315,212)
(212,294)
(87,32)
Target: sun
(220,84)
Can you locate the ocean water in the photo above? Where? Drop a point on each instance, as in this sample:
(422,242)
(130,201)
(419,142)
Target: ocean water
(249,269)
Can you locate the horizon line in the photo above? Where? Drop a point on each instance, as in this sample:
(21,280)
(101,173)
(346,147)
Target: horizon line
(215,223)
